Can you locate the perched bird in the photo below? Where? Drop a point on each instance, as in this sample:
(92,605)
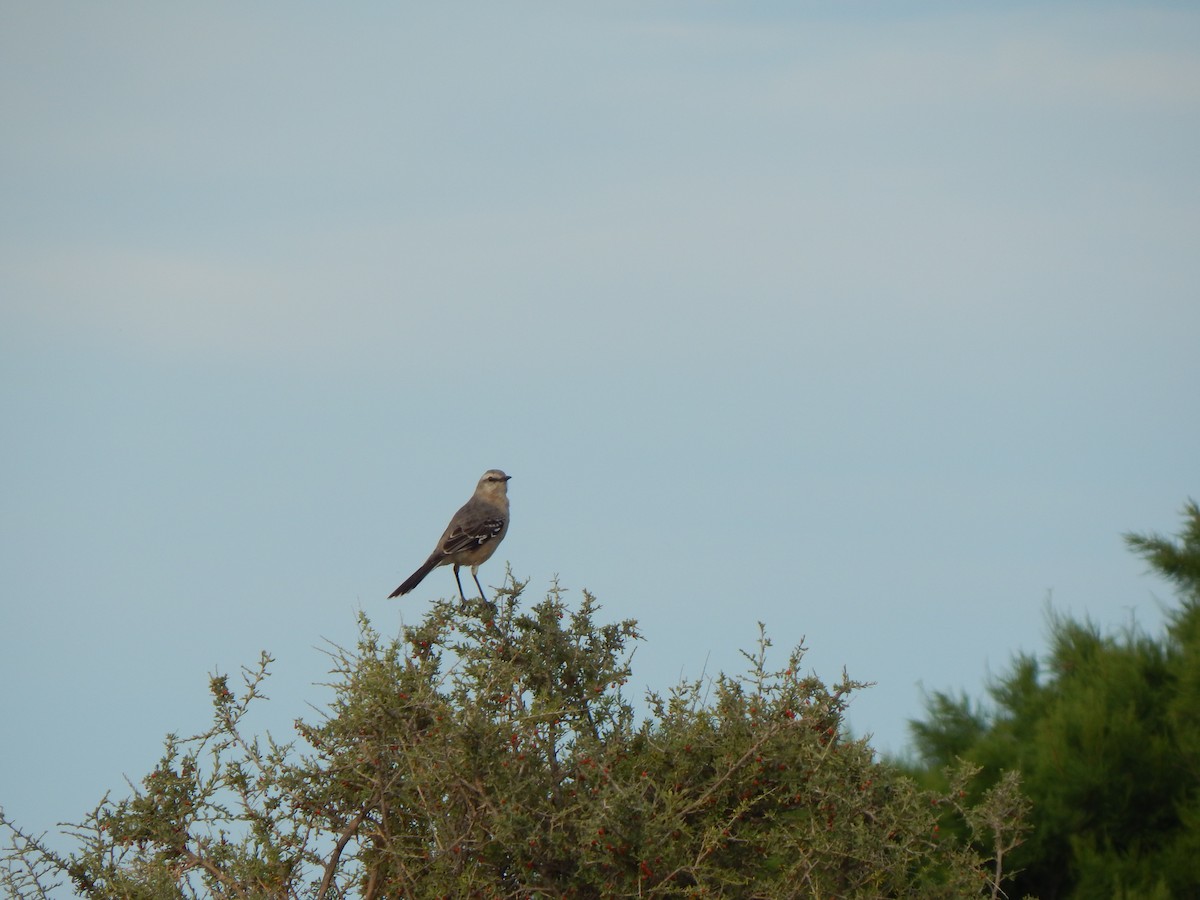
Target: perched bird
(472,535)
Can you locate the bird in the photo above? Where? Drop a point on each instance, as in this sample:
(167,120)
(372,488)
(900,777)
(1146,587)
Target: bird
(472,536)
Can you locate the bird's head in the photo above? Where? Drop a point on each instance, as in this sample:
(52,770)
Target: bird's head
(494,482)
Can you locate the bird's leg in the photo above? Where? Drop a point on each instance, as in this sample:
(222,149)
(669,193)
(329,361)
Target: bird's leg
(460,590)
(475,575)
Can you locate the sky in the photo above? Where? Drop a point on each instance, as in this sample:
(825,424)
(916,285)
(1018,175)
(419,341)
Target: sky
(874,323)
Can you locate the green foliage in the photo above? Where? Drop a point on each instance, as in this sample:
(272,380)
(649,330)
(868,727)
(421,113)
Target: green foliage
(1106,734)
(491,752)
(1177,562)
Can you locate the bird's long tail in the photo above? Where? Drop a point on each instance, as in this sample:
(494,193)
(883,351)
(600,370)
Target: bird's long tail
(415,578)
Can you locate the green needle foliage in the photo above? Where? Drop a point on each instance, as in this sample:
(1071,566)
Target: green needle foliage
(1105,731)
(490,752)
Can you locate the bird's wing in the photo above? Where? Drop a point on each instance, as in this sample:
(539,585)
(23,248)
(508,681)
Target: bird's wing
(470,534)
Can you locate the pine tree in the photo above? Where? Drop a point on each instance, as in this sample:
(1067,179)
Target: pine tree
(1105,731)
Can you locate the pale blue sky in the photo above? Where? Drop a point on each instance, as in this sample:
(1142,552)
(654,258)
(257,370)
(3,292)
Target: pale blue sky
(879,327)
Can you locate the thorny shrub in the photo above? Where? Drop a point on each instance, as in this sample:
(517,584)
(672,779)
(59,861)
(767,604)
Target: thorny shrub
(490,752)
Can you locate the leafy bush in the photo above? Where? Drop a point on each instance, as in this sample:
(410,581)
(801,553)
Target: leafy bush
(490,752)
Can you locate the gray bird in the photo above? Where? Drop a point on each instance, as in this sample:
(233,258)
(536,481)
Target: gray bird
(472,535)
